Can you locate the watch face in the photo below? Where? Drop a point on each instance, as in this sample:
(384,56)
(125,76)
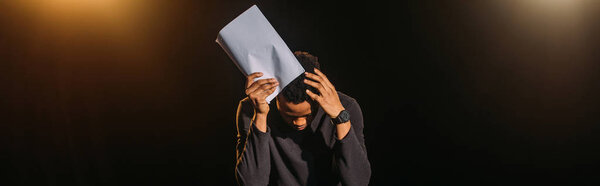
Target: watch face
(343,117)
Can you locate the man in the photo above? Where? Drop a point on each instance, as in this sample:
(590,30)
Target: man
(313,135)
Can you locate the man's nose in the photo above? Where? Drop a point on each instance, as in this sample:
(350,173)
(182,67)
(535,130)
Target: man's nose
(300,121)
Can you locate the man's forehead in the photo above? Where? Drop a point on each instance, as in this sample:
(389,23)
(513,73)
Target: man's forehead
(292,109)
(297,114)
(296,108)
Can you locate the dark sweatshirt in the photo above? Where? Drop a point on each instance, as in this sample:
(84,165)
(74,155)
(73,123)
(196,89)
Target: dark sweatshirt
(313,156)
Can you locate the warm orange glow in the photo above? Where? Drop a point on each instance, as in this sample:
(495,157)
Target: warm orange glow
(74,25)
(555,6)
(109,16)
(105,40)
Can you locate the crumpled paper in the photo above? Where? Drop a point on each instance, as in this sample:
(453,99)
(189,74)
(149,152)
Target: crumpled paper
(254,46)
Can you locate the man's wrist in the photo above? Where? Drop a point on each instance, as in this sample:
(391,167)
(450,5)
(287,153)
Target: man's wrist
(260,116)
(337,112)
(260,120)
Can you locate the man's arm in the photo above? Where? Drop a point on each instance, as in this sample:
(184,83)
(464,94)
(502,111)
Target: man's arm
(252,149)
(350,151)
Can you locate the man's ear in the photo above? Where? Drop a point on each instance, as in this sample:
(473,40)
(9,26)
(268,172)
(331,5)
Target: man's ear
(279,97)
(277,101)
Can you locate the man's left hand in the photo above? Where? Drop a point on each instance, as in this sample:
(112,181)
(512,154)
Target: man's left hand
(329,100)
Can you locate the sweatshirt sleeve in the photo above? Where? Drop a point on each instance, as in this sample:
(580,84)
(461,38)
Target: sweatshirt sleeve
(351,153)
(252,148)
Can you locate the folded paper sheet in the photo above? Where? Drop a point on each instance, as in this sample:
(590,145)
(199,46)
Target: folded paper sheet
(254,46)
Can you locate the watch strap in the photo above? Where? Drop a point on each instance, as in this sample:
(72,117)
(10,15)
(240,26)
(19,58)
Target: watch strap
(343,117)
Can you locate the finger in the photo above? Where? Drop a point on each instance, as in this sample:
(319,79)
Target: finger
(259,83)
(251,78)
(261,95)
(270,91)
(324,78)
(263,91)
(319,80)
(318,86)
(313,76)
(254,85)
(312,95)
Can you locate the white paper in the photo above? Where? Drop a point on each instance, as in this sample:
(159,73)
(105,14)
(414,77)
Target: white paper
(254,46)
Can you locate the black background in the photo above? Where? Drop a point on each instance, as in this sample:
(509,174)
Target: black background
(453,92)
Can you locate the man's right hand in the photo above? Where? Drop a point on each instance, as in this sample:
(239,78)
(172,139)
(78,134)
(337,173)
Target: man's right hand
(258,91)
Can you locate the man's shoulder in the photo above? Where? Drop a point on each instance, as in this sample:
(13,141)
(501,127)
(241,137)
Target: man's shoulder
(346,100)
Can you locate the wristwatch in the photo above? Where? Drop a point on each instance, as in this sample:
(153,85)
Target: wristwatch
(343,117)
